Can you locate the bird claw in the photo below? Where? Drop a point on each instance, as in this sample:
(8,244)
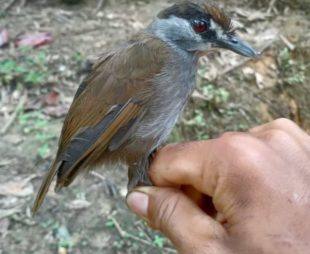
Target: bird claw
(110,189)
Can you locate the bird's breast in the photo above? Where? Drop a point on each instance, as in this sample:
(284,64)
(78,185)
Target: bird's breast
(172,89)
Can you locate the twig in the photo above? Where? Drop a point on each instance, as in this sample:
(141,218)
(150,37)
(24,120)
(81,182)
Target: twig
(18,108)
(124,234)
(275,10)
(95,174)
(140,228)
(231,68)
(271,6)
(23,3)
(99,5)
(244,114)
(290,45)
(127,235)
(197,95)
(8,6)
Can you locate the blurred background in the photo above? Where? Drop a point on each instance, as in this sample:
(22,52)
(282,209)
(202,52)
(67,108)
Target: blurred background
(45,46)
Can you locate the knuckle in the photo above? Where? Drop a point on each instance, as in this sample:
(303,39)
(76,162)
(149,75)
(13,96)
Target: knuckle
(276,136)
(282,122)
(228,134)
(244,152)
(235,144)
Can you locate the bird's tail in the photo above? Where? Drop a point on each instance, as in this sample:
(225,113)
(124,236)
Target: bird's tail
(45,185)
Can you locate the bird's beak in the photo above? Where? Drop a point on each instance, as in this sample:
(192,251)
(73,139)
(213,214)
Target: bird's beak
(236,45)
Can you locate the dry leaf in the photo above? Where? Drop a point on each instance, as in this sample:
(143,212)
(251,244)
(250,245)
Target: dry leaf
(78,204)
(259,80)
(52,99)
(8,212)
(58,111)
(20,187)
(4,227)
(4,37)
(265,72)
(5,162)
(252,15)
(34,40)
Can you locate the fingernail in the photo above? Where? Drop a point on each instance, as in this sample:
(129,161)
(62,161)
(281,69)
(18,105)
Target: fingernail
(138,203)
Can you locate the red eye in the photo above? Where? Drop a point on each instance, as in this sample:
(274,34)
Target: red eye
(199,26)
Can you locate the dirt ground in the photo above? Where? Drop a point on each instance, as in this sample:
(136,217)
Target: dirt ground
(37,86)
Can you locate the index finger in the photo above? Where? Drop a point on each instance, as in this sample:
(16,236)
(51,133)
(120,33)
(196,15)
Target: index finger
(230,161)
(184,164)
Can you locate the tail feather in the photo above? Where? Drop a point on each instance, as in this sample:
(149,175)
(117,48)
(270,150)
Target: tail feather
(45,185)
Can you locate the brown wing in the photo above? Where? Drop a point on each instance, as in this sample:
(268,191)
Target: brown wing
(111,98)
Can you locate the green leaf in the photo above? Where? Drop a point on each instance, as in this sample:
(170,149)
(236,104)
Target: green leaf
(159,241)
(109,224)
(44,151)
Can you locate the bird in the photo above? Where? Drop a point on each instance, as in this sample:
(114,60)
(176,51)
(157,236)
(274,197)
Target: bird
(129,102)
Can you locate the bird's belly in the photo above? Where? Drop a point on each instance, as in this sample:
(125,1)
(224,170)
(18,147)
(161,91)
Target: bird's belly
(171,91)
(161,125)
(159,121)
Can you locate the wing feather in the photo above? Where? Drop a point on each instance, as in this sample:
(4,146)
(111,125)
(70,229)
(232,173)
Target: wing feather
(106,109)
(96,138)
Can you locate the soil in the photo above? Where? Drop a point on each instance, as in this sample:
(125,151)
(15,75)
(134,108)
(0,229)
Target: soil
(233,94)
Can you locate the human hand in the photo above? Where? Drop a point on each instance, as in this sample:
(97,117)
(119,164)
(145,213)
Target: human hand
(259,183)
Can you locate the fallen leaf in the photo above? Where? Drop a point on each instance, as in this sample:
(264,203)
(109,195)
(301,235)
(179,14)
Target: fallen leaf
(5,162)
(20,188)
(52,99)
(265,114)
(259,80)
(78,204)
(4,37)
(295,111)
(34,40)
(14,139)
(4,227)
(265,72)
(8,212)
(58,111)
(252,15)
(197,95)
(62,250)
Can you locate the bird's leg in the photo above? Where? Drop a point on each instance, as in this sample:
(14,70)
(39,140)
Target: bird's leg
(138,174)
(152,155)
(110,188)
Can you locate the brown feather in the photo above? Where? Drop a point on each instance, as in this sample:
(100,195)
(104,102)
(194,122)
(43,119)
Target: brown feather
(217,13)
(220,17)
(122,77)
(187,8)
(45,186)
(93,154)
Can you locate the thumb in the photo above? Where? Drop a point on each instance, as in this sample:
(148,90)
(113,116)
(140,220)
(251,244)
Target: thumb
(175,215)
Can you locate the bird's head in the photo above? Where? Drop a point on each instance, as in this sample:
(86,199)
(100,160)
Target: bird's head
(197,26)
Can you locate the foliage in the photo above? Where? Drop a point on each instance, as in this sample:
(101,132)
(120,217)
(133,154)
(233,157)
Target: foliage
(214,95)
(215,100)
(28,69)
(293,73)
(64,237)
(36,123)
(159,241)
